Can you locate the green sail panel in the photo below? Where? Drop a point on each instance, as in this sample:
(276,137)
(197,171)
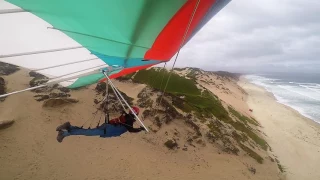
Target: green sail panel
(119,28)
(87,80)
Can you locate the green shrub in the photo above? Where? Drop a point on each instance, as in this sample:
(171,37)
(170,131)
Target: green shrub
(171,144)
(176,84)
(251,153)
(243,118)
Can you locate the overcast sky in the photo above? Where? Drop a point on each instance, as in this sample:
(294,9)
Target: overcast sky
(259,35)
(255,36)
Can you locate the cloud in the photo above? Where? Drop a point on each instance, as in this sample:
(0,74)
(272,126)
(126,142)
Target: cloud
(265,35)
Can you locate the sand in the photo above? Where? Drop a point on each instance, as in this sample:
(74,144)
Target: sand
(227,90)
(29,149)
(292,137)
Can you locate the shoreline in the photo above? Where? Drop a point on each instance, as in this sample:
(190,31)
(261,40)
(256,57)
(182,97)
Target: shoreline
(304,117)
(294,138)
(244,79)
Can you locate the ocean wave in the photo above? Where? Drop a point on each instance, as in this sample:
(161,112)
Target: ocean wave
(302,111)
(315,84)
(312,88)
(255,77)
(280,99)
(262,81)
(310,85)
(301,92)
(303,97)
(307,110)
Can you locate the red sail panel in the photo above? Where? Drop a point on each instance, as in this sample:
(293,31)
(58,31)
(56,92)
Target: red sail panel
(170,38)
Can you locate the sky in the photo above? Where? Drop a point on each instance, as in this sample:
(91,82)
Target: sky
(259,36)
(245,36)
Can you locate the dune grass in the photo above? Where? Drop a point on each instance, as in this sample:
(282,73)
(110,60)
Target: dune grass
(243,118)
(204,104)
(251,153)
(179,69)
(186,96)
(215,129)
(192,74)
(176,84)
(239,137)
(207,106)
(125,77)
(240,140)
(281,168)
(246,129)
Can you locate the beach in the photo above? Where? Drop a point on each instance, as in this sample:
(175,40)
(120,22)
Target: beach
(294,139)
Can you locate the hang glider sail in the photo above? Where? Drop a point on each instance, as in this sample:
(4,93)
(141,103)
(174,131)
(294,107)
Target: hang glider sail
(127,34)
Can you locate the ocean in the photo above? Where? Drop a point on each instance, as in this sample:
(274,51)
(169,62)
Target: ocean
(300,91)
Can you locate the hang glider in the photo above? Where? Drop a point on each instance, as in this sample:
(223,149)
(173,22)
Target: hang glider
(118,37)
(129,34)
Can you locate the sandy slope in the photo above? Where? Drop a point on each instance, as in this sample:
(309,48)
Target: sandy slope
(293,138)
(227,90)
(29,149)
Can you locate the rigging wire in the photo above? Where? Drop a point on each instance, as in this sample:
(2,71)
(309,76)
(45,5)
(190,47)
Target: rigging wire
(116,94)
(105,106)
(182,42)
(100,118)
(38,52)
(126,103)
(66,64)
(92,118)
(106,118)
(157,76)
(58,77)
(157,104)
(163,74)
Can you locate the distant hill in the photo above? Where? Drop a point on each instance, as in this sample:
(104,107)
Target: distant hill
(193,71)
(227,74)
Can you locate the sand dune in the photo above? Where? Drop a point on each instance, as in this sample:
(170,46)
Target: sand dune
(29,149)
